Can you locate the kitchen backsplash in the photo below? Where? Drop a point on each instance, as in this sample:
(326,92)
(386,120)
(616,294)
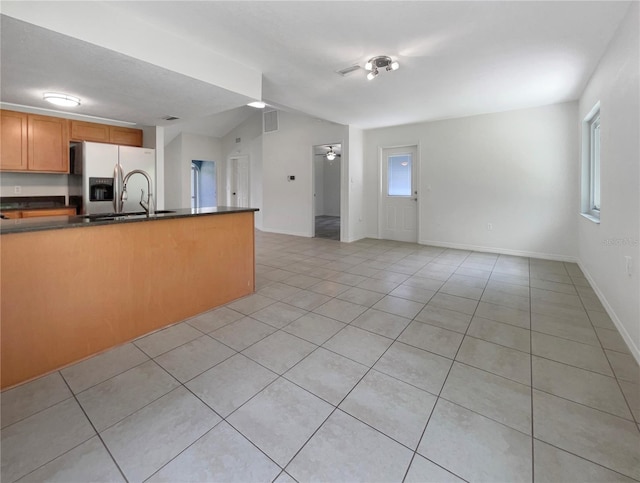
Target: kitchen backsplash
(33,184)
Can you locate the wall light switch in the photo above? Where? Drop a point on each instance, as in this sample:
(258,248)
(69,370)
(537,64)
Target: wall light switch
(490,226)
(17,190)
(629,265)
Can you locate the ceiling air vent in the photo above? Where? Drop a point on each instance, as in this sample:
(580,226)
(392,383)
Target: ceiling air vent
(348,70)
(270,119)
(170,118)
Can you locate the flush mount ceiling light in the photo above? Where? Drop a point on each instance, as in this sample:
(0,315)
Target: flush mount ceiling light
(257,104)
(380,62)
(61,99)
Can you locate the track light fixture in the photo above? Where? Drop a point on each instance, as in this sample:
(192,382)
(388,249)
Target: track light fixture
(380,62)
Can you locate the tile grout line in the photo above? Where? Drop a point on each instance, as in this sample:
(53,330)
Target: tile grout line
(583,458)
(533,455)
(415,452)
(222,418)
(336,407)
(278,376)
(615,375)
(97,433)
(306,390)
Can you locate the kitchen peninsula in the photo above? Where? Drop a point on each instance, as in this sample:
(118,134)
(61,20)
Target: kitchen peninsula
(75,286)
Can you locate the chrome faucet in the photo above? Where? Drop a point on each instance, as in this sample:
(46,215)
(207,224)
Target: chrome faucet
(146,205)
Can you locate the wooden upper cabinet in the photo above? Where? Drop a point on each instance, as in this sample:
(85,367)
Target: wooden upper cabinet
(89,131)
(125,136)
(48,141)
(102,133)
(30,142)
(13,147)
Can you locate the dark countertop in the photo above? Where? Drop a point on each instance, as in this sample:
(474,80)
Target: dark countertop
(22,225)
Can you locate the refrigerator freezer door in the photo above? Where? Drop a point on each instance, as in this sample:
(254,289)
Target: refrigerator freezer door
(137,158)
(98,161)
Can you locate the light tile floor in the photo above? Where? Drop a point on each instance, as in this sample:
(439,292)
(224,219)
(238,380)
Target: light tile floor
(370,361)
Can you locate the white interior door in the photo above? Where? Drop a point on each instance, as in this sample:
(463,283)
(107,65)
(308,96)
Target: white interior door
(238,182)
(398,214)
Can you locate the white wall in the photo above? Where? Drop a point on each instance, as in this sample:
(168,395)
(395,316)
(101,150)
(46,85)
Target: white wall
(353,185)
(318,177)
(515,170)
(250,134)
(172,173)
(602,247)
(179,153)
(246,131)
(289,151)
(34,184)
(153,138)
(255,180)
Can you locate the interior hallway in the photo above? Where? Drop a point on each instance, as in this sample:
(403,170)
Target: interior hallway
(328,227)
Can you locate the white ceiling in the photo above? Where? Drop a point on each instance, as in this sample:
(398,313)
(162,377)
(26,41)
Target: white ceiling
(110,84)
(457,59)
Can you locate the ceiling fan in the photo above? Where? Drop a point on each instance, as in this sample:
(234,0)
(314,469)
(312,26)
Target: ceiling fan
(331,155)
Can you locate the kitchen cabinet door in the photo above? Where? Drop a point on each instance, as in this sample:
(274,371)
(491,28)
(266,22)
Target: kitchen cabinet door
(13,150)
(125,136)
(48,139)
(89,131)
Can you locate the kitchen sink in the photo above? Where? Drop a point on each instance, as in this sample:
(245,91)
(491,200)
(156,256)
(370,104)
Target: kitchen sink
(113,216)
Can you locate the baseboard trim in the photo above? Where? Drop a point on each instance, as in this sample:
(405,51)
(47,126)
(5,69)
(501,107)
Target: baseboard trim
(502,251)
(286,232)
(353,239)
(635,351)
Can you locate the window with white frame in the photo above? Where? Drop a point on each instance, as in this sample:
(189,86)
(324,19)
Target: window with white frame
(591,194)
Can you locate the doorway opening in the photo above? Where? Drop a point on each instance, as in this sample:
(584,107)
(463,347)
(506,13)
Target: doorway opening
(204,188)
(327,169)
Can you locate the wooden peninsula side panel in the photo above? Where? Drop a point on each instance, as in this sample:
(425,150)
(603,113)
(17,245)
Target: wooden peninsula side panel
(70,293)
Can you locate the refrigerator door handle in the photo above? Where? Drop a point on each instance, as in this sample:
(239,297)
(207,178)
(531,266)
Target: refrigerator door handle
(117,188)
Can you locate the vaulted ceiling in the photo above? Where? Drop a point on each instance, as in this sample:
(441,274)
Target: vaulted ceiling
(456,59)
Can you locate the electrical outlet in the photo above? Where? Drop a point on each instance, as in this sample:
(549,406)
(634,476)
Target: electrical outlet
(17,190)
(490,226)
(629,265)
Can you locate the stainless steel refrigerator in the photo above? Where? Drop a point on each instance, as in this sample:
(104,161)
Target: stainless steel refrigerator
(97,177)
